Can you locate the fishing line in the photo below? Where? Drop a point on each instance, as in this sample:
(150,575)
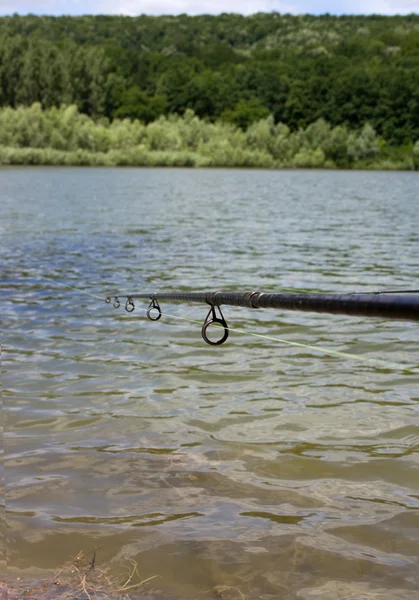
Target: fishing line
(74,288)
(378,361)
(382,292)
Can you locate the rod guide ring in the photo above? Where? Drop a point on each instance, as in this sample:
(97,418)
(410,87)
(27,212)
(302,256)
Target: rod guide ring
(154,305)
(210,319)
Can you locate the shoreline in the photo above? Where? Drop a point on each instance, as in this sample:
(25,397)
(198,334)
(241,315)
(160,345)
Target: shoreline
(43,157)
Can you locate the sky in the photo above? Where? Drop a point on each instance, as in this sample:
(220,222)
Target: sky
(196,7)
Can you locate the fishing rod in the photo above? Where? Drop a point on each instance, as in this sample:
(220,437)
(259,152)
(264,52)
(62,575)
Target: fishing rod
(393,304)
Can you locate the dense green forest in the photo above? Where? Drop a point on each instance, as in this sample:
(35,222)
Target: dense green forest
(290,71)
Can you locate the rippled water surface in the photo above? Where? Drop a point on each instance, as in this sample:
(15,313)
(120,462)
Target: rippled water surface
(276,469)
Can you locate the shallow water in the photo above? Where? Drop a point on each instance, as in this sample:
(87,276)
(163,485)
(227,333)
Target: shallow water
(280,470)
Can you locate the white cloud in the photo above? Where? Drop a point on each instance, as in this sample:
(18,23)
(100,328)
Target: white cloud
(246,7)
(194,7)
(380,7)
(8,7)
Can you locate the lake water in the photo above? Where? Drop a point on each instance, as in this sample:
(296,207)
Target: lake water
(279,470)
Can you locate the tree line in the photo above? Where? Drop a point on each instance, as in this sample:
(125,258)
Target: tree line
(32,135)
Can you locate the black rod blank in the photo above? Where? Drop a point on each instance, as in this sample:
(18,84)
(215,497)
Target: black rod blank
(379,304)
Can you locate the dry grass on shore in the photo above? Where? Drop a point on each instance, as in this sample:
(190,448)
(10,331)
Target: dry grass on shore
(81,579)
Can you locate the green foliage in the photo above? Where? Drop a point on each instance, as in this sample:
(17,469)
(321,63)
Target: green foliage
(362,145)
(245,112)
(416,155)
(349,71)
(136,104)
(66,136)
(310,158)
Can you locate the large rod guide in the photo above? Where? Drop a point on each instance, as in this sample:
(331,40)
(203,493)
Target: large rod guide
(387,305)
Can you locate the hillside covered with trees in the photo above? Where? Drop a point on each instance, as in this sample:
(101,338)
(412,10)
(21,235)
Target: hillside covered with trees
(292,71)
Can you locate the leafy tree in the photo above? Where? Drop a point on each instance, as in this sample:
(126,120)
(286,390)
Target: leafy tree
(363,145)
(245,112)
(136,104)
